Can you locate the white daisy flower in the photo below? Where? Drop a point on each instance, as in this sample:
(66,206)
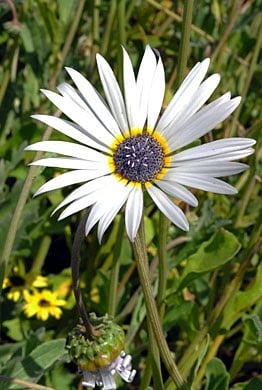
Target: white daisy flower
(123,148)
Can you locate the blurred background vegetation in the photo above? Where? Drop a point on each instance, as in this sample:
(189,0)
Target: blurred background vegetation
(38,38)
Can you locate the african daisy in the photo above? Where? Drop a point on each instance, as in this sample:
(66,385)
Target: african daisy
(124,147)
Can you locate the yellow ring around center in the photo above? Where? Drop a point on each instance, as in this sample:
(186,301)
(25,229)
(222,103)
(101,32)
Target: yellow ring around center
(134,132)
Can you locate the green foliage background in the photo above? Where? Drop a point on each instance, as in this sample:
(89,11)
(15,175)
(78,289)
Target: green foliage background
(214,286)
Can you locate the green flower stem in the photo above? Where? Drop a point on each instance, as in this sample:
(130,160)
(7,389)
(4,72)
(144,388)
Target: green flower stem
(41,255)
(4,83)
(75,265)
(153,365)
(95,31)
(121,22)
(185,41)
(121,19)
(162,266)
(152,313)
(129,307)
(153,360)
(109,26)
(245,201)
(112,296)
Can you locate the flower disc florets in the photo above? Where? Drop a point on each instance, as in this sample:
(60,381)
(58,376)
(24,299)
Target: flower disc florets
(139,158)
(92,354)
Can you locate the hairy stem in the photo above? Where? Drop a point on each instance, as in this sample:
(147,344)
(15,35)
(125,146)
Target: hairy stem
(152,313)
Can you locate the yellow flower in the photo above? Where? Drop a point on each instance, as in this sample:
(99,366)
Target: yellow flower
(94,295)
(40,281)
(18,284)
(42,304)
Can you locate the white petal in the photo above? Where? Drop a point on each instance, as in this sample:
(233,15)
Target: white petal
(184,94)
(68,91)
(69,163)
(83,118)
(211,168)
(156,95)
(94,194)
(145,77)
(226,149)
(94,101)
(204,182)
(168,208)
(96,186)
(70,129)
(192,105)
(107,206)
(112,92)
(113,208)
(133,212)
(69,178)
(202,122)
(178,191)
(68,149)
(79,204)
(130,89)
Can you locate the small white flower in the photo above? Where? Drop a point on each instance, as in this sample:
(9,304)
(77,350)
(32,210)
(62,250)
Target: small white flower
(105,376)
(123,148)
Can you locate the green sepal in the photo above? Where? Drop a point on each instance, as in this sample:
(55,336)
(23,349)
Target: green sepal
(106,343)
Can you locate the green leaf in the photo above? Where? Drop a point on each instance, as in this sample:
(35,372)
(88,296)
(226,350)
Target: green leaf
(211,254)
(254,326)
(216,375)
(66,10)
(33,366)
(253,384)
(27,39)
(250,345)
(242,301)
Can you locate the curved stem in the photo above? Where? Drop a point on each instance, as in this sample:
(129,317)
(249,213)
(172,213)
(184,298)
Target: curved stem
(152,313)
(75,263)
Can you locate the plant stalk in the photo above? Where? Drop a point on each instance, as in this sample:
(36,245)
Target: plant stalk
(152,313)
(75,265)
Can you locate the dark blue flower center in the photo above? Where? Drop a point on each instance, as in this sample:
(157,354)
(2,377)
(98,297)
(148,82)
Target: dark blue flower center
(139,158)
